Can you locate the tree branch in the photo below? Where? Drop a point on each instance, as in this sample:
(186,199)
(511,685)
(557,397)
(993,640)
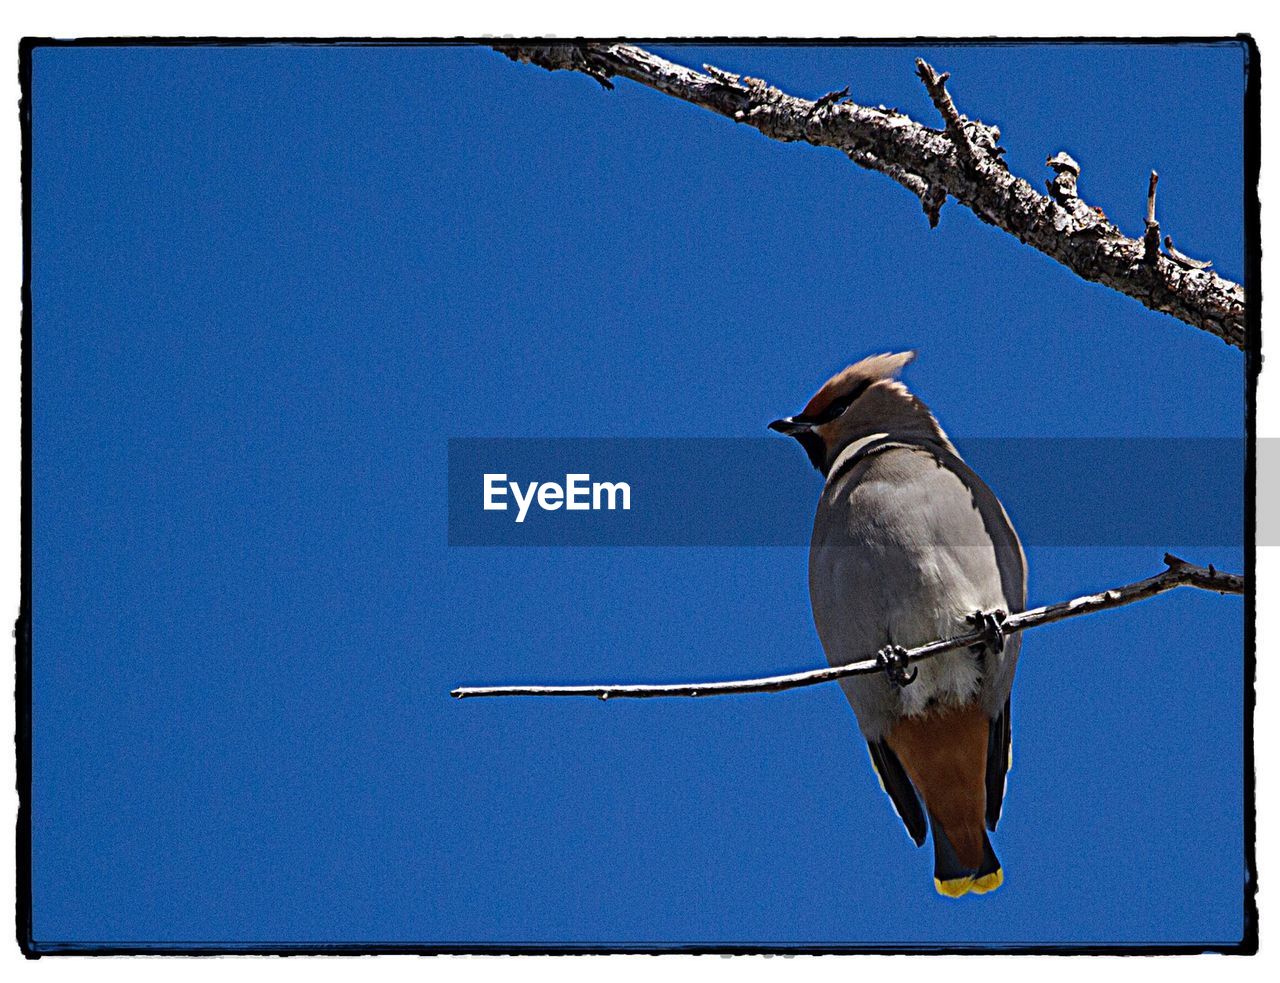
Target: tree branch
(962,161)
(1179,573)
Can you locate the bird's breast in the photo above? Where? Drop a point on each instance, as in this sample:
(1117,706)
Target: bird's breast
(897,564)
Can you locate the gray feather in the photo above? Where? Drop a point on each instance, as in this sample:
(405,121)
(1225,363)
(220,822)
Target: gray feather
(908,543)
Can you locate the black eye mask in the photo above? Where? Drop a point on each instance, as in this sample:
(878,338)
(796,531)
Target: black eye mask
(837,407)
(810,441)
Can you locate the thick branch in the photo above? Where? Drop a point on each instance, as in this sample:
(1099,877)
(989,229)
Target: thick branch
(1178,574)
(962,161)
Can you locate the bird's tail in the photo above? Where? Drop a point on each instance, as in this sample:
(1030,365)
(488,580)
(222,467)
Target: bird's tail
(953,878)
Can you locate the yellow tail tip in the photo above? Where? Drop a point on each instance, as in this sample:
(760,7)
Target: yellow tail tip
(954,888)
(988,882)
(960,886)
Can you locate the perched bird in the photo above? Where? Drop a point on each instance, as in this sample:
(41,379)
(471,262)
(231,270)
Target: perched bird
(910,546)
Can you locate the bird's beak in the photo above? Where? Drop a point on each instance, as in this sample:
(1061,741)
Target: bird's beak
(790,426)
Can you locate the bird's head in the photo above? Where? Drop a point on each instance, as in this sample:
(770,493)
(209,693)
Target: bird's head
(864,400)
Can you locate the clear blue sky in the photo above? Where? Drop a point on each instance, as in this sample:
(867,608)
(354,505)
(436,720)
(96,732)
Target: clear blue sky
(271,283)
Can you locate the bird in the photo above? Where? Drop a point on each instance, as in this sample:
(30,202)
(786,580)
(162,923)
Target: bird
(909,546)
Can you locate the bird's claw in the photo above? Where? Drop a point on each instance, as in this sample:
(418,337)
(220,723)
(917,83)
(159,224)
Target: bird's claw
(893,660)
(991,624)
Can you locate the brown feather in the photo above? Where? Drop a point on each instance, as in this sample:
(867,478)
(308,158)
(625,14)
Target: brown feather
(944,752)
(886,366)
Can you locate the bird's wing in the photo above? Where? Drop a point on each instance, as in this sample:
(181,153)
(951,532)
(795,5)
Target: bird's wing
(999,761)
(998,679)
(896,784)
(1011,564)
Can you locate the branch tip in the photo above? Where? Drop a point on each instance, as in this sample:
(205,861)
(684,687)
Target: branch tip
(1063,161)
(931,201)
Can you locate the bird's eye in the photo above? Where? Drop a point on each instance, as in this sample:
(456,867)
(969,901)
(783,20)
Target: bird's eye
(837,408)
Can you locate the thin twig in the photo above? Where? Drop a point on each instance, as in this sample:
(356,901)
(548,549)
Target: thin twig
(963,161)
(1182,259)
(932,198)
(1179,573)
(1151,239)
(936,85)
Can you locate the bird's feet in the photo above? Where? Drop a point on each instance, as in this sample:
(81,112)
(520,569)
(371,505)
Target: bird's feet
(893,660)
(991,624)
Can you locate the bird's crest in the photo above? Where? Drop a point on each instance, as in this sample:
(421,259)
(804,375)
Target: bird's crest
(876,368)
